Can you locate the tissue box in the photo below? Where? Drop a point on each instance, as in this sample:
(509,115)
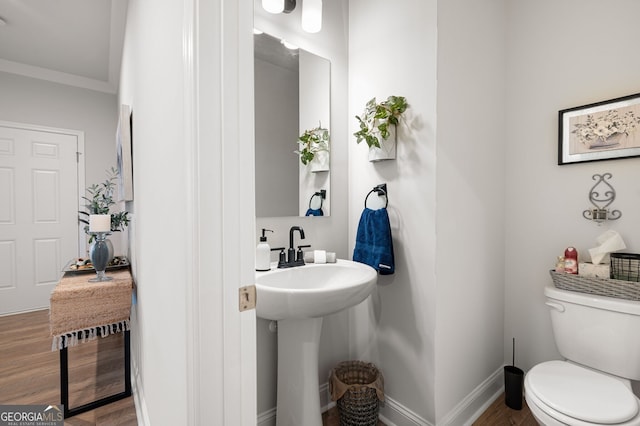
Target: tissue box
(588,269)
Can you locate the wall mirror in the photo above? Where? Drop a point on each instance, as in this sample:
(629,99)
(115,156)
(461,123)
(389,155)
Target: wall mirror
(292,95)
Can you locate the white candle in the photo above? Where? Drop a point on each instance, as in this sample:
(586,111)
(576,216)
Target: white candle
(99,223)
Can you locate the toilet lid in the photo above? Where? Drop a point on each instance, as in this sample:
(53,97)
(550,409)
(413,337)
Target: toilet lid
(581,393)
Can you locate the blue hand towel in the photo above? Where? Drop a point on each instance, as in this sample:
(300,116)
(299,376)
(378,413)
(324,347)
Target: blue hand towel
(314,212)
(374,245)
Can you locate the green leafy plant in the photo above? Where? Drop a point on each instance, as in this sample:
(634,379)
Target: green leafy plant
(312,141)
(99,201)
(377,117)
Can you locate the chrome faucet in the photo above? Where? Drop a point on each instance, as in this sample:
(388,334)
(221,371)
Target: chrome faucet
(293,258)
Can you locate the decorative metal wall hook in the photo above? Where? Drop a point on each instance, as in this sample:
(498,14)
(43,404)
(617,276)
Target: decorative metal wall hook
(601,196)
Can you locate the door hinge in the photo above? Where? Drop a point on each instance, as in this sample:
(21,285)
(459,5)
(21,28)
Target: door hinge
(247,298)
(78,156)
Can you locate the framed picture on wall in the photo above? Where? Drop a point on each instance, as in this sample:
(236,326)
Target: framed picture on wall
(124,154)
(600,131)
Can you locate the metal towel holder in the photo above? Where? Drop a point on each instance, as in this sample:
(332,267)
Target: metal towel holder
(381,190)
(322,194)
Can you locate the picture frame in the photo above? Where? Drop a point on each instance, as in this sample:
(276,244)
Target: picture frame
(600,131)
(124,154)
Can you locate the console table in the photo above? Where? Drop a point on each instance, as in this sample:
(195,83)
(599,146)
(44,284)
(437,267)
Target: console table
(81,311)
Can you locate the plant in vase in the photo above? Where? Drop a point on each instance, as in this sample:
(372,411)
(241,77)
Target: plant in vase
(377,119)
(312,142)
(99,202)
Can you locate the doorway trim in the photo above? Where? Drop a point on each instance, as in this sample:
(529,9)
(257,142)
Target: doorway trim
(218,82)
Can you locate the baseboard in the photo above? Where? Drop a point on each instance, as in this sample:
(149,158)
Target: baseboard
(138,397)
(472,407)
(392,413)
(268,418)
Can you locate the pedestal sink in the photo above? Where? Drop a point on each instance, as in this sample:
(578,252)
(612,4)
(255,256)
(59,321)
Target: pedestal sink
(298,298)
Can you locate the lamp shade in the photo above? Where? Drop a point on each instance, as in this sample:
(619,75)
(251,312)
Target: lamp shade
(312,15)
(273,6)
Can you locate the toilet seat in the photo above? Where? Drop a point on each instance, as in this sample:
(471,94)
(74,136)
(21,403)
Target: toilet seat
(576,395)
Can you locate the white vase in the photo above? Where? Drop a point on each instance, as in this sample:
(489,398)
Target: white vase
(320,162)
(387,150)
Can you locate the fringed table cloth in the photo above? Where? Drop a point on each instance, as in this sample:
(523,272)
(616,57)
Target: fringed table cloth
(79,311)
(79,308)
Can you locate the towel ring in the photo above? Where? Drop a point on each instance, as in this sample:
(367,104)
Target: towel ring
(380,190)
(322,194)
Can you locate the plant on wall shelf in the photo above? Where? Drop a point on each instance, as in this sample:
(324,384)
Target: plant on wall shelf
(377,119)
(100,200)
(311,142)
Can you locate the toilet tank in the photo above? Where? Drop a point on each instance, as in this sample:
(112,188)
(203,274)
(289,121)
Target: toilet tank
(596,331)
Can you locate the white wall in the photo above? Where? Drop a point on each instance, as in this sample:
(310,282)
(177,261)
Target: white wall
(328,233)
(40,102)
(470,199)
(398,57)
(28,100)
(152,83)
(582,54)
(503,209)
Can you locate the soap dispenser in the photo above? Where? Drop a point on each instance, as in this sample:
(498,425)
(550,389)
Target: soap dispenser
(263,253)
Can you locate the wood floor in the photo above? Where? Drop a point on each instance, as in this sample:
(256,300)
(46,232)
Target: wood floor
(498,414)
(30,371)
(29,374)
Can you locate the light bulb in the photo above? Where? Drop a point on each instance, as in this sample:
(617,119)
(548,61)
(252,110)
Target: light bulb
(273,6)
(312,15)
(288,45)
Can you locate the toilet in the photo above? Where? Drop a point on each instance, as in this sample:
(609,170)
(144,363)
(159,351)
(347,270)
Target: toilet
(599,337)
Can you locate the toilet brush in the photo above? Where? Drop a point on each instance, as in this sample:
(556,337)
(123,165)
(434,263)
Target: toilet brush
(513,381)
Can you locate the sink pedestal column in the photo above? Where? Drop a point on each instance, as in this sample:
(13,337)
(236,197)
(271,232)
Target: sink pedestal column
(298,387)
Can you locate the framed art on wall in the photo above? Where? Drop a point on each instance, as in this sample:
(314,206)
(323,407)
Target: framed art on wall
(600,131)
(124,155)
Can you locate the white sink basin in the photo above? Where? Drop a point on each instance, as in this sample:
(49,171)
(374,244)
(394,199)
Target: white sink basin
(312,290)
(298,298)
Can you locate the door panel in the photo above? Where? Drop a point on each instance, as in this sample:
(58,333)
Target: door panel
(38,213)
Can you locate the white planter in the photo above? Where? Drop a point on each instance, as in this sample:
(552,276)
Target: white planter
(320,162)
(387,150)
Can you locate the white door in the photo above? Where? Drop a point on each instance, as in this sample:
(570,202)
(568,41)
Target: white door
(38,212)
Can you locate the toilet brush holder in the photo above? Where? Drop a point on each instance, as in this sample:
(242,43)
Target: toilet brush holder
(513,383)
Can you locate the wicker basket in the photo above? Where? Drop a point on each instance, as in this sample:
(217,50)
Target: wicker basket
(360,404)
(625,266)
(620,289)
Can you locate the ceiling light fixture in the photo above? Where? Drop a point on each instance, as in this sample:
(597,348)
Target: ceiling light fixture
(312,16)
(273,6)
(279,6)
(288,45)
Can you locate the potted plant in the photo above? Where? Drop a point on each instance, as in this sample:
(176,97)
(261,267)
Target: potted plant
(314,148)
(378,124)
(100,200)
